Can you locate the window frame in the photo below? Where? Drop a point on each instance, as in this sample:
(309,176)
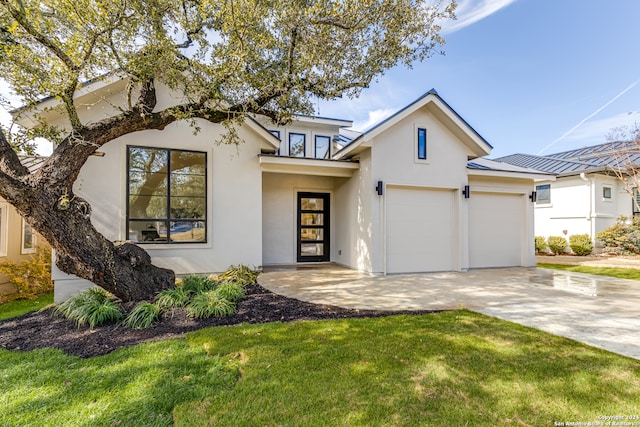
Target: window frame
(540,201)
(169,219)
(636,196)
(276,133)
(34,239)
(304,144)
(421,152)
(604,193)
(315,147)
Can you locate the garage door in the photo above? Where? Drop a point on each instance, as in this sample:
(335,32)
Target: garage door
(420,230)
(496,222)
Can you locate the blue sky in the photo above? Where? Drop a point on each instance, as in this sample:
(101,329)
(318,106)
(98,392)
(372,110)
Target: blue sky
(531,76)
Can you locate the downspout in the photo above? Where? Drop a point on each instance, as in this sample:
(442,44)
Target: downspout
(590,181)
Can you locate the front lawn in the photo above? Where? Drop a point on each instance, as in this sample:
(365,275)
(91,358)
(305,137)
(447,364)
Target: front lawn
(623,273)
(450,368)
(20,307)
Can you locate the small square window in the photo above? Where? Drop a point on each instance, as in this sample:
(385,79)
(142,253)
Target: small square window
(543,193)
(422,144)
(606,192)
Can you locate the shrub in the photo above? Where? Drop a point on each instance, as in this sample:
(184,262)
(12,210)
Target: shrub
(557,244)
(92,307)
(195,284)
(623,237)
(143,315)
(580,244)
(174,297)
(32,277)
(541,244)
(240,274)
(231,291)
(208,304)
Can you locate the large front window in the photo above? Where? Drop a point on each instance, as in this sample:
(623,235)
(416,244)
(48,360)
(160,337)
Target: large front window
(166,195)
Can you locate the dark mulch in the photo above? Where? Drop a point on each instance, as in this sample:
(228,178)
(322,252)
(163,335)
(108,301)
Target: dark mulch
(46,330)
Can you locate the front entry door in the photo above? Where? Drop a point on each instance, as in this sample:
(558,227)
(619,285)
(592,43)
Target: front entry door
(313,227)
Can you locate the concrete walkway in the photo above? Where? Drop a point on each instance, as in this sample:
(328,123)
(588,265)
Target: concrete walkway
(600,311)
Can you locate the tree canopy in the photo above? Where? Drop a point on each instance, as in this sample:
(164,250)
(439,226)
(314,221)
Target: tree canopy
(227,59)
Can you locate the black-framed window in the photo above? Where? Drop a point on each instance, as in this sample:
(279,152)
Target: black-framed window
(422,144)
(166,195)
(322,144)
(296,144)
(276,133)
(543,194)
(606,193)
(635,202)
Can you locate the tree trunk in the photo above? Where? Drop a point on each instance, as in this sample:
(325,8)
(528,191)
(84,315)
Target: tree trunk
(124,269)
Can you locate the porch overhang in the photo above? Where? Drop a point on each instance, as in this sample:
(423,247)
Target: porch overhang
(306,166)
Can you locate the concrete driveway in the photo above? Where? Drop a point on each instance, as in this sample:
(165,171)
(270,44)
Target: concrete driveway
(600,311)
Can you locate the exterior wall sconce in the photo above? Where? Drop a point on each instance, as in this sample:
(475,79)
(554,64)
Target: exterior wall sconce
(466,192)
(533,196)
(379,188)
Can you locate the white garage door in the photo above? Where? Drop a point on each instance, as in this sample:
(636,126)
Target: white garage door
(496,222)
(421,235)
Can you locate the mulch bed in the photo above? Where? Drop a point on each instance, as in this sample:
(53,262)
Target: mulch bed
(45,330)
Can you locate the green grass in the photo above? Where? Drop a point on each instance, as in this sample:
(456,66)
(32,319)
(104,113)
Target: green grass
(450,368)
(623,273)
(20,307)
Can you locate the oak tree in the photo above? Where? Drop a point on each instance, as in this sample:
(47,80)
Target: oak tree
(228,59)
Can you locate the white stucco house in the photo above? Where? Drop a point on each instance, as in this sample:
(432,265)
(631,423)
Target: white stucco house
(586,197)
(411,194)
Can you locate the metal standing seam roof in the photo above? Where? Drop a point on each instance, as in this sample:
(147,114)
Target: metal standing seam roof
(546,164)
(601,156)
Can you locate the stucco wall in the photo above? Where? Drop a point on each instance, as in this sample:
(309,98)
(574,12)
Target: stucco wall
(394,162)
(354,227)
(234,199)
(279,221)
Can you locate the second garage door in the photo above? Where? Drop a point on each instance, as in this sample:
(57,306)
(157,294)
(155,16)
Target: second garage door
(495,229)
(421,232)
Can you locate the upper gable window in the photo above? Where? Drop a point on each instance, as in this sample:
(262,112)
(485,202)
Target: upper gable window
(322,145)
(296,144)
(276,133)
(422,143)
(606,193)
(543,194)
(166,195)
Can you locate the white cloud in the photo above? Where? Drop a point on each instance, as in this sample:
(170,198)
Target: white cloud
(469,12)
(375,117)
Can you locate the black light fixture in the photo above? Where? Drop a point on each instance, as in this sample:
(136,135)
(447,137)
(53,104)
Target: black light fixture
(466,192)
(379,188)
(533,196)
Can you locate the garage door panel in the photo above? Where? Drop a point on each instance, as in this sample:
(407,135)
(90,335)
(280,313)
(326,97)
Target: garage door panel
(420,230)
(495,230)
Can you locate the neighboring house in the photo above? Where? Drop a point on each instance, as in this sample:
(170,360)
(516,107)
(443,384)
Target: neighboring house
(401,197)
(17,239)
(586,196)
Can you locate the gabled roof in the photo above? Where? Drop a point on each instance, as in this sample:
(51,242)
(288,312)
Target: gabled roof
(587,159)
(468,135)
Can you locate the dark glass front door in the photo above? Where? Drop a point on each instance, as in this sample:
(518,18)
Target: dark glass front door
(313,227)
